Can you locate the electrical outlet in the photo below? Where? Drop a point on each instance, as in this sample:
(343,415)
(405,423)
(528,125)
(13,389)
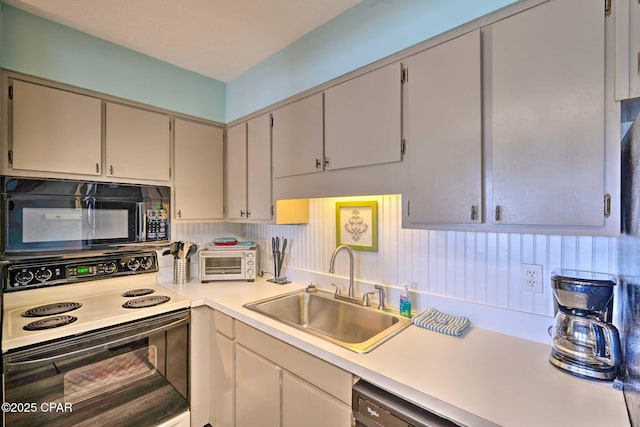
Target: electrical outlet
(532,279)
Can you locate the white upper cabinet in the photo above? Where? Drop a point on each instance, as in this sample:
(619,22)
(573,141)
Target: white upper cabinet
(626,14)
(199,163)
(55,130)
(547,115)
(249,169)
(137,143)
(363,119)
(298,137)
(444,139)
(259,201)
(634,37)
(236,182)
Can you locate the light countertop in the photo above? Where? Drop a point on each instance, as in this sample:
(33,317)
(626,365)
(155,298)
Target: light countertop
(481,378)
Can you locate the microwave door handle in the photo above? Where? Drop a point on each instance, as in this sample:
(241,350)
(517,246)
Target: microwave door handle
(141,226)
(91,220)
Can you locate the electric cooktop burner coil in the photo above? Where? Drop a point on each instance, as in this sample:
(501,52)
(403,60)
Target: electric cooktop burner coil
(138,292)
(148,301)
(51,309)
(49,323)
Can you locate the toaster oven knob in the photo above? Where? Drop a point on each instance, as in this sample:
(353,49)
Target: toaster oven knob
(133,265)
(44,274)
(250,272)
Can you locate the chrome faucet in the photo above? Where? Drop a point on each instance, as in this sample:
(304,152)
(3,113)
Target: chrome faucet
(333,260)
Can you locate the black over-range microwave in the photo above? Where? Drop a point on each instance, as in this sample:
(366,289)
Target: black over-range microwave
(42,215)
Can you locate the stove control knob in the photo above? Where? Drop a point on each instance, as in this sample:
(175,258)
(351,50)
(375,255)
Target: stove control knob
(23,277)
(133,265)
(44,274)
(110,267)
(146,262)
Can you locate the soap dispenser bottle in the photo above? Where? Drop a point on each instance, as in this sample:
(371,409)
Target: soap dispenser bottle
(405,302)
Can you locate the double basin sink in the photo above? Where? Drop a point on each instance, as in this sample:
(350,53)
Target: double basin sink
(355,327)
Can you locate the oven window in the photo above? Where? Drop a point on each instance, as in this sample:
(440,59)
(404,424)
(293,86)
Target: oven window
(223,265)
(143,382)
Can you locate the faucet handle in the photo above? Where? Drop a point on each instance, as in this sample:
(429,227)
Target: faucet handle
(366,298)
(338,289)
(381,298)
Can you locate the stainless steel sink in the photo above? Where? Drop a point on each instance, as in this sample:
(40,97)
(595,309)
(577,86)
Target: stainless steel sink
(351,326)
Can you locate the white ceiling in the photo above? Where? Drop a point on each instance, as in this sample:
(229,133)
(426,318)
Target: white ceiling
(217,38)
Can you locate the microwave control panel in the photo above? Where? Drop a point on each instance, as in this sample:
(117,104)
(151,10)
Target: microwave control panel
(158,222)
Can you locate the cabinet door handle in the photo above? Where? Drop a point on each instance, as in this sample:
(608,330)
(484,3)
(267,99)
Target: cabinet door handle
(97,168)
(241,213)
(248,213)
(111,169)
(498,209)
(326,162)
(179,213)
(318,164)
(474,212)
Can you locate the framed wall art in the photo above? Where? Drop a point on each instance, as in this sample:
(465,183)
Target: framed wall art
(357,225)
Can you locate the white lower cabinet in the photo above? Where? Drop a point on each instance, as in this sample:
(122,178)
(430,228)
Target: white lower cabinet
(257,390)
(306,405)
(222,377)
(223,391)
(277,384)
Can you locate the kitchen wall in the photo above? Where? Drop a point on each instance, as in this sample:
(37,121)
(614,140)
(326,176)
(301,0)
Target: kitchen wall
(42,48)
(369,31)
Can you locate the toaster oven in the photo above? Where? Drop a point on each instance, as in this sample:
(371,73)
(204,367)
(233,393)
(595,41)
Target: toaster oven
(228,263)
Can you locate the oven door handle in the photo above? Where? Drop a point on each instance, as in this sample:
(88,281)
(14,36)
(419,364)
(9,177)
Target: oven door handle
(29,363)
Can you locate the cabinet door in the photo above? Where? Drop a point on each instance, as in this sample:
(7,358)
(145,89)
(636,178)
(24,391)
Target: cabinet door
(362,119)
(55,130)
(223,391)
(306,405)
(634,38)
(547,93)
(257,390)
(138,143)
(198,171)
(444,161)
(237,171)
(297,137)
(259,168)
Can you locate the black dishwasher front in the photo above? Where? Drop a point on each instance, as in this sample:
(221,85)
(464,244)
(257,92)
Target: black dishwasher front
(374,407)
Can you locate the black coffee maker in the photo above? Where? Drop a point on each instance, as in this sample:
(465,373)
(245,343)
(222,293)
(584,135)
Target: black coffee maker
(585,342)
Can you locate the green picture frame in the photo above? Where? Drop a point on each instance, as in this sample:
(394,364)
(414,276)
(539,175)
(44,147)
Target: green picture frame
(357,225)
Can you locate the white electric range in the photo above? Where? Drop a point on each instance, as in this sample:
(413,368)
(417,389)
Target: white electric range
(98,334)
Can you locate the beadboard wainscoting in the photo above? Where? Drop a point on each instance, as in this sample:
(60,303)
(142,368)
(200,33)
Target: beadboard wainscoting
(477,267)
(475,274)
(200,234)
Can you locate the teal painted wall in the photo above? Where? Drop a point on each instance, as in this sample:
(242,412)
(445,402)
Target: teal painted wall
(369,31)
(42,48)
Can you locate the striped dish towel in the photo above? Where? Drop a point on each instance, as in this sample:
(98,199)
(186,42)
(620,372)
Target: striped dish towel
(437,321)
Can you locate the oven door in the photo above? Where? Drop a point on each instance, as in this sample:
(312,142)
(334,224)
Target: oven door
(222,265)
(134,374)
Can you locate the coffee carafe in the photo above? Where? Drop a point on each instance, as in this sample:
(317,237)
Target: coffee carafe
(585,342)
